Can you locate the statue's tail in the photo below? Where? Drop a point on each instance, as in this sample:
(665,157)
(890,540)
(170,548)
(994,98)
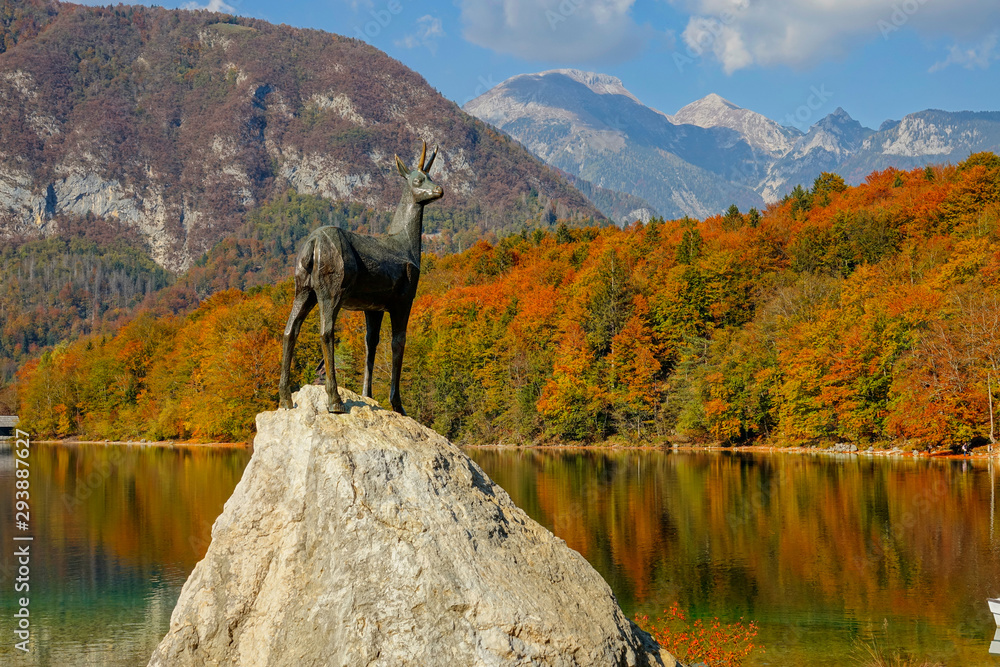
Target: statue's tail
(326,249)
(304,263)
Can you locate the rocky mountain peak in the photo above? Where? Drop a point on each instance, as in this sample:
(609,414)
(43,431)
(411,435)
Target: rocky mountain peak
(550,95)
(590,126)
(840,123)
(759,131)
(601,84)
(837,134)
(704,110)
(840,114)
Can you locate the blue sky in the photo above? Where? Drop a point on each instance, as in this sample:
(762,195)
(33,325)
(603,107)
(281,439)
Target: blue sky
(792,60)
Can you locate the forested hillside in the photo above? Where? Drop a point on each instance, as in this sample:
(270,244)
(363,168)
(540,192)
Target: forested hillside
(91,279)
(94,275)
(179,124)
(862,314)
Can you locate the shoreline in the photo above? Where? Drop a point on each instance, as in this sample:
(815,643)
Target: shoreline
(745,449)
(167,444)
(756,449)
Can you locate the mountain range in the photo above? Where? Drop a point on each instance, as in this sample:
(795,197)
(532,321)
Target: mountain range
(711,153)
(178,124)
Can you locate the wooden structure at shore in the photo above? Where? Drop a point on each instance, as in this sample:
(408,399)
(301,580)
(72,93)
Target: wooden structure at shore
(8,423)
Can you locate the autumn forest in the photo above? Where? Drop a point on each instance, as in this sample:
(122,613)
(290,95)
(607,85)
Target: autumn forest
(867,315)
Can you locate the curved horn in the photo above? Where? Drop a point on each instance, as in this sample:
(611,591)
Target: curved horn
(423,154)
(427,169)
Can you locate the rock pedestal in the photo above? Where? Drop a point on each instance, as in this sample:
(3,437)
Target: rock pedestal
(368,539)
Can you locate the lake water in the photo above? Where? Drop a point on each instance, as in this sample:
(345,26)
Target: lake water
(821,551)
(117,532)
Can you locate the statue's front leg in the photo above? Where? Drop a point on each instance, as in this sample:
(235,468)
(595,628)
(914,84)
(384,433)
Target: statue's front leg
(399,320)
(301,306)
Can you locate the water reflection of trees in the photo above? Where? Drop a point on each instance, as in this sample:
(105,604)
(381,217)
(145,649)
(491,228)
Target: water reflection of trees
(127,509)
(117,531)
(780,536)
(833,542)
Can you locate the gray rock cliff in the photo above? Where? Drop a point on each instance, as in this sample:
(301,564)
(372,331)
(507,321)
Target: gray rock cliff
(368,539)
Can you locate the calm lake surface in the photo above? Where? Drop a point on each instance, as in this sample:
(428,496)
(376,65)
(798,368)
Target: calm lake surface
(117,532)
(821,551)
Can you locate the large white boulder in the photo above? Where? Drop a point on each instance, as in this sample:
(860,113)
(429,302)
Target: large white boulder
(368,539)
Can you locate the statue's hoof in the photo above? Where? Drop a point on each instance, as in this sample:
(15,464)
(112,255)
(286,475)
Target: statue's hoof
(399,409)
(285,404)
(336,408)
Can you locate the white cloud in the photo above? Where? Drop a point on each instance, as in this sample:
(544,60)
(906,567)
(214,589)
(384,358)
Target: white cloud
(705,34)
(212,6)
(429,29)
(741,33)
(565,31)
(979,55)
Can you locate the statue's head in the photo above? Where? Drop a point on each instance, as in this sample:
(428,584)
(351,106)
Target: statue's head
(418,180)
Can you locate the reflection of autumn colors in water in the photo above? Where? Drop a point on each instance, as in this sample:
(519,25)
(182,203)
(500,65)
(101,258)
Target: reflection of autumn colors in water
(117,531)
(822,551)
(819,550)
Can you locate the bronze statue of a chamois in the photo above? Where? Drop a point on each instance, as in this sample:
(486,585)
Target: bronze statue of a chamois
(340,269)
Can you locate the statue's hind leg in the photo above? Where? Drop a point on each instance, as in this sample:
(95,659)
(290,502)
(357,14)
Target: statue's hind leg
(373,326)
(329,306)
(303,303)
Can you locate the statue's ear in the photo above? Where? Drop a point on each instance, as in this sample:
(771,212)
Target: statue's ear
(403,171)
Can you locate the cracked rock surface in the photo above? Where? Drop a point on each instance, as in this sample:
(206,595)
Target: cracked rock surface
(368,539)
